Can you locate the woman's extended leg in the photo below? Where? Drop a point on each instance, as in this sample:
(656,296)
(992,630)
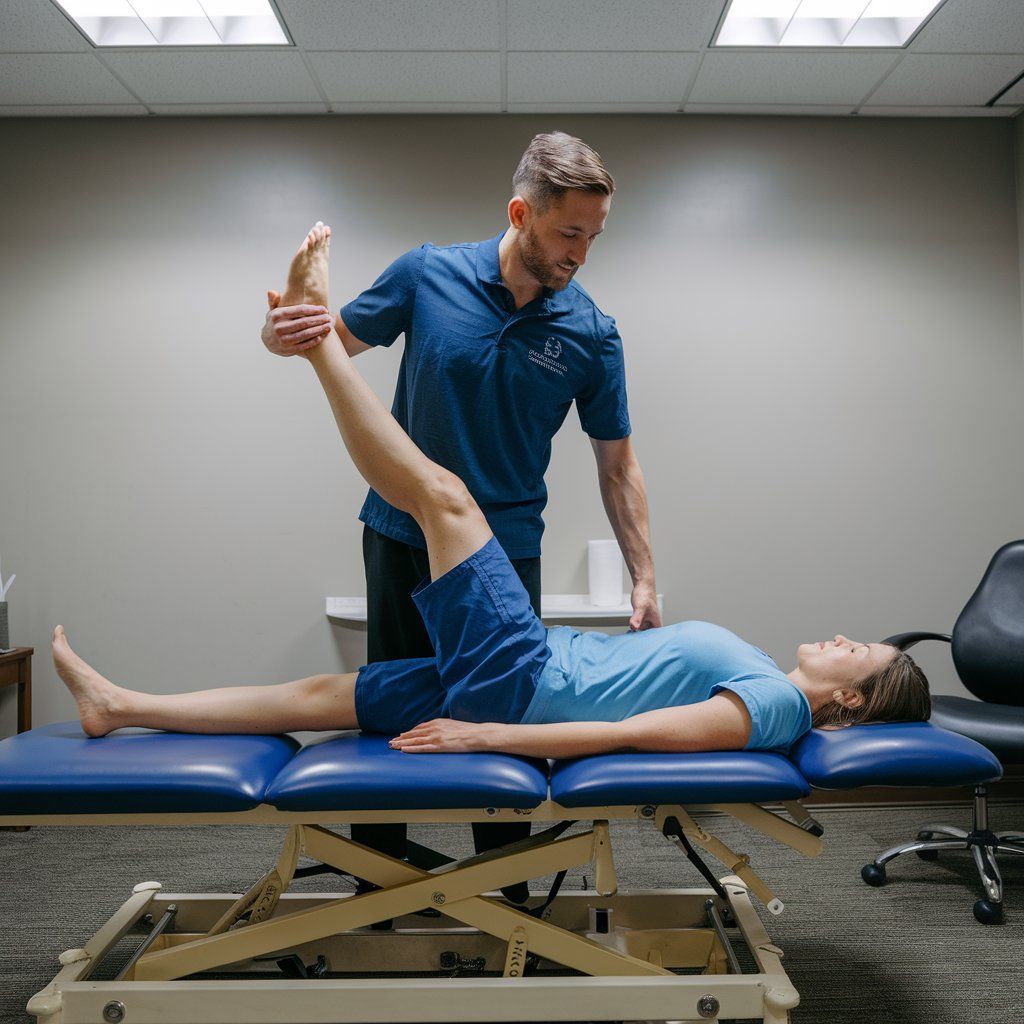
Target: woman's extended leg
(387,458)
(316,703)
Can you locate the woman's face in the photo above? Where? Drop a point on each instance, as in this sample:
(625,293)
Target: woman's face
(842,661)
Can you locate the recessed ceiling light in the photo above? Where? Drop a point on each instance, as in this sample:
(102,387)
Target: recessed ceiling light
(823,23)
(177,22)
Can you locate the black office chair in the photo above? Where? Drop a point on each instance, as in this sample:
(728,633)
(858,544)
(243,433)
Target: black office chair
(988,652)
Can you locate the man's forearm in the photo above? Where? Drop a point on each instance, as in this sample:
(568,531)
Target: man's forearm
(624,494)
(559,740)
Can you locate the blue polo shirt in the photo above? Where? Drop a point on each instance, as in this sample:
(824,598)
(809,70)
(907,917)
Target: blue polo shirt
(483,387)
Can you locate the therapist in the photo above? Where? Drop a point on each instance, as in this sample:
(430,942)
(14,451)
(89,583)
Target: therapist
(499,342)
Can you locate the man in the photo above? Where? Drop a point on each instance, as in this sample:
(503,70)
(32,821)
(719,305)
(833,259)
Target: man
(499,342)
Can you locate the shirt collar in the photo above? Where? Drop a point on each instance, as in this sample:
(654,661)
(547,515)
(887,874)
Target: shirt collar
(488,268)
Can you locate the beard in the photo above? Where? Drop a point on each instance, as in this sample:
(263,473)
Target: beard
(537,264)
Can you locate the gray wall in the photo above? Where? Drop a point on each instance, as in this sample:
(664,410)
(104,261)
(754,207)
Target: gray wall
(1018,133)
(822,321)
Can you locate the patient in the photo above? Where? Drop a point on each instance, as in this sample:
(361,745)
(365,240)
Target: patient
(500,681)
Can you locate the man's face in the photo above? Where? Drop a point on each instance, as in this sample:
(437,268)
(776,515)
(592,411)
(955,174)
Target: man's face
(553,245)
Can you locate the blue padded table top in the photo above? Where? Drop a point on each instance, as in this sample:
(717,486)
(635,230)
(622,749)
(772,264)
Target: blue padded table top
(57,769)
(892,754)
(360,772)
(693,778)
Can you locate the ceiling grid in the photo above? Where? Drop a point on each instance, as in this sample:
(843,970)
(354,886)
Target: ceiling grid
(515,56)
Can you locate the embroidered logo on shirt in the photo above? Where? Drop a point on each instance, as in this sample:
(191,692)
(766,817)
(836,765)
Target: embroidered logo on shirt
(549,360)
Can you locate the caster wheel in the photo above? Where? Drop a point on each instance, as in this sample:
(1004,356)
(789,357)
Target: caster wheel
(928,854)
(873,874)
(988,913)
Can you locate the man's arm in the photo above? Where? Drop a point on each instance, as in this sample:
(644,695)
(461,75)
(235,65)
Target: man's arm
(625,500)
(720,723)
(289,330)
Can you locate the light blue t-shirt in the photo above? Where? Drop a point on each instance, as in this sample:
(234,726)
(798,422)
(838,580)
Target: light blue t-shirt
(593,677)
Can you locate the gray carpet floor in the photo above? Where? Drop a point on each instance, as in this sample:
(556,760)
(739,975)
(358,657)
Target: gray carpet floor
(908,953)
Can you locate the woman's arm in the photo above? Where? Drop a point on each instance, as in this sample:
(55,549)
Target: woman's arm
(721,723)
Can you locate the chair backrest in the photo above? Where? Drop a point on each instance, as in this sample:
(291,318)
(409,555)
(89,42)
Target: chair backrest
(988,638)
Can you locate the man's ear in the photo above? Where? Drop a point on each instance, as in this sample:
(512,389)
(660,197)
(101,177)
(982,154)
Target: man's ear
(517,211)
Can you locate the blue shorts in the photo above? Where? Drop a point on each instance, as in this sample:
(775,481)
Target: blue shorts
(489,649)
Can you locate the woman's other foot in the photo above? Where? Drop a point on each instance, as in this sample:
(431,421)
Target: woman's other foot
(95,695)
(307,276)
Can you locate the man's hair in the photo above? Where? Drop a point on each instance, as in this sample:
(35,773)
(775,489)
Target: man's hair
(553,164)
(896,693)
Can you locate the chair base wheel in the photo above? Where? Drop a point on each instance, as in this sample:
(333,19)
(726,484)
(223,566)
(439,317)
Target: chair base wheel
(873,874)
(988,913)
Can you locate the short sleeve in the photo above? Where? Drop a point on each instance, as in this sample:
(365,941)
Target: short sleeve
(384,310)
(779,711)
(601,405)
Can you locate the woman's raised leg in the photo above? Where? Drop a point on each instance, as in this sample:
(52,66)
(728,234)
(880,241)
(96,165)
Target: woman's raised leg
(387,458)
(317,703)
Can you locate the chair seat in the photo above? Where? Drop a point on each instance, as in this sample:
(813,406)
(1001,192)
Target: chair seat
(1000,727)
(57,769)
(892,754)
(693,778)
(360,772)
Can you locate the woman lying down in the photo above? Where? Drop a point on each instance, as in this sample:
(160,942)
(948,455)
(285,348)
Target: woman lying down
(500,681)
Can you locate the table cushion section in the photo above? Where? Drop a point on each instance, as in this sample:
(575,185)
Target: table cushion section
(694,778)
(57,769)
(892,754)
(360,772)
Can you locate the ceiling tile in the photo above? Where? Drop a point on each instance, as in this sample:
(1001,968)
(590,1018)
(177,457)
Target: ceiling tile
(47,78)
(37,26)
(817,79)
(67,110)
(594,108)
(950,80)
(1013,98)
(241,109)
(214,76)
(574,25)
(600,77)
(935,111)
(394,24)
(413,77)
(974,26)
(761,108)
(403,107)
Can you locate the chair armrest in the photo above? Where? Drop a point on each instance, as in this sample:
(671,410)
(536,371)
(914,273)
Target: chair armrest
(904,641)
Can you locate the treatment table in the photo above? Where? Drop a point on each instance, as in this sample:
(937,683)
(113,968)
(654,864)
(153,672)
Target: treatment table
(447,947)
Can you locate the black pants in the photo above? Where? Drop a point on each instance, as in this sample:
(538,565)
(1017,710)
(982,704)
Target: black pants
(395,630)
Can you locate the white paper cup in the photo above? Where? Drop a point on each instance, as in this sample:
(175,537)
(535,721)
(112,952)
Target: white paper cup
(604,570)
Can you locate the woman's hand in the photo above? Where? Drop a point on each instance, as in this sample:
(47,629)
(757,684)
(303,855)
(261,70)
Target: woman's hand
(445,735)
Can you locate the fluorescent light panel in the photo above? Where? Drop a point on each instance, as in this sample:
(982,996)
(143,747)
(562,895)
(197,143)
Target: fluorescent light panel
(177,22)
(823,23)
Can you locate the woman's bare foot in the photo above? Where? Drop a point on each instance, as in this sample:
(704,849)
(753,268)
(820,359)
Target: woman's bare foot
(307,276)
(96,695)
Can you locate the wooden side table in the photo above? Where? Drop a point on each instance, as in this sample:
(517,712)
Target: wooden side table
(16,670)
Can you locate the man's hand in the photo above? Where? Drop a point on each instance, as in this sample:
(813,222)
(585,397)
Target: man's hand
(645,608)
(289,330)
(445,735)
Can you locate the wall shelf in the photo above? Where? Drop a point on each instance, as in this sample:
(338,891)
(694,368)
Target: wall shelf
(554,608)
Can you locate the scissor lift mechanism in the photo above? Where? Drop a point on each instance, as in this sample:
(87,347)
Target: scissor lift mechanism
(455,950)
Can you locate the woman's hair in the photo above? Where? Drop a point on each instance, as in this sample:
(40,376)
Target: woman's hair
(896,693)
(554,163)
